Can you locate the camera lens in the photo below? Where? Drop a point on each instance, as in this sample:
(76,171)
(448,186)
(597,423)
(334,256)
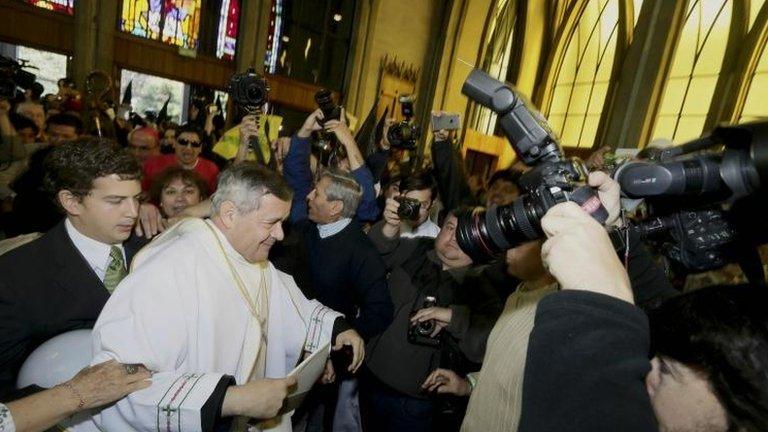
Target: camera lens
(484,234)
(425,328)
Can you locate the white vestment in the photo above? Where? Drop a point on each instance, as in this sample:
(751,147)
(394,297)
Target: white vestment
(180,313)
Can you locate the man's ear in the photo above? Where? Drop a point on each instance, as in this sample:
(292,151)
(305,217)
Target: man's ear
(653,379)
(228,213)
(71,203)
(336,207)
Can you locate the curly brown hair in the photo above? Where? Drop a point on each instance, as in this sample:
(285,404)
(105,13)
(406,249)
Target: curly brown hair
(75,165)
(188,177)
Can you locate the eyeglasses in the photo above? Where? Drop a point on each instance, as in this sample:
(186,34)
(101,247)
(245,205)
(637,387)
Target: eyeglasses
(185,143)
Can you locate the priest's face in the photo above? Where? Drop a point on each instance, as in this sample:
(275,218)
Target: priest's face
(253,234)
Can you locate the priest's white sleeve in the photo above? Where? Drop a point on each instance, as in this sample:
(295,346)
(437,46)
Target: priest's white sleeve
(148,321)
(318,319)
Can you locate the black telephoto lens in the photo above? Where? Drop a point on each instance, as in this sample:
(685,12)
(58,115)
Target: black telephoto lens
(485,234)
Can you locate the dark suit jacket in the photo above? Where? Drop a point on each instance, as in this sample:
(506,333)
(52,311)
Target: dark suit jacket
(46,288)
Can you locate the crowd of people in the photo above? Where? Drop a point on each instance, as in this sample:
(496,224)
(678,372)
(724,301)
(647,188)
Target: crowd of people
(207,277)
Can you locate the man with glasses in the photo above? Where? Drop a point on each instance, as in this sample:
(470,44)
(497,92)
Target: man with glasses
(186,154)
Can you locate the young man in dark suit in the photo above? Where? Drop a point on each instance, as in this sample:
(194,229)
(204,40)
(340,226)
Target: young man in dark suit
(61,281)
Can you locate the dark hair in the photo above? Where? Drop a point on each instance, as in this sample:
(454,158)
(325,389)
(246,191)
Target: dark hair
(419,180)
(722,332)
(66,119)
(20,122)
(189,128)
(188,177)
(508,175)
(75,165)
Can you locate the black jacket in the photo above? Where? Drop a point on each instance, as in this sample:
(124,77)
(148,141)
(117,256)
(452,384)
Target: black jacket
(416,272)
(586,365)
(46,288)
(343,272)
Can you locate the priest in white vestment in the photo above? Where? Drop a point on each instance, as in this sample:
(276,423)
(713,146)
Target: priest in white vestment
(207,313)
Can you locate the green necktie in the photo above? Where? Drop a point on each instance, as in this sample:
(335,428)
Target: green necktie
(116,270)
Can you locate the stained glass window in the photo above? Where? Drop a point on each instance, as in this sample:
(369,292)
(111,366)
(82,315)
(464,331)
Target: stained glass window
(582,82)
(61,6)
(176,22)
(695,70)
(226,40)
(274,36)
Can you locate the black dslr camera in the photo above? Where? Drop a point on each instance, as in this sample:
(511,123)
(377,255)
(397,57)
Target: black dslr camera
(12,77)
(331,110)
(482,233)
(421,333)
(250,91)
(406,133)
(326,144)
(409,208)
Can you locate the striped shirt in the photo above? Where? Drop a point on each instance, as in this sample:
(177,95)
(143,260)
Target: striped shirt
(497,398)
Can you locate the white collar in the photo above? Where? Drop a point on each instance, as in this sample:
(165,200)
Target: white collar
(333,228)
(95,252)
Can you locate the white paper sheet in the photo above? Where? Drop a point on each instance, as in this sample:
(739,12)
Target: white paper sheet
(307,374)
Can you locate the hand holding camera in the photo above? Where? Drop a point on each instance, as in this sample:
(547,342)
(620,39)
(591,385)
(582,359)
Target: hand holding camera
(341,130)
(425,330)
(391,228)
(580,255)
(313,123)
(249,127)
(440,316)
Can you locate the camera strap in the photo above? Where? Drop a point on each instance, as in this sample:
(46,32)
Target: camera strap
(587,198)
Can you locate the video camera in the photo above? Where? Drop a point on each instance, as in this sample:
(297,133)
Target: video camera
(701,197)
(484,233)
(738,170)
(13,76)
(406,133)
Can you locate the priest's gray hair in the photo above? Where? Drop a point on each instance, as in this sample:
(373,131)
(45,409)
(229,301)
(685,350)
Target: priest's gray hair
(343,187)
(245,184)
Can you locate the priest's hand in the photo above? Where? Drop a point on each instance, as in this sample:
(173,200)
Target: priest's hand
(260,399)
(329,374)
(351,338)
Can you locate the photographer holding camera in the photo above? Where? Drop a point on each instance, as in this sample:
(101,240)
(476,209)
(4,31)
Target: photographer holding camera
(708,371)
(424,273)
(412,207)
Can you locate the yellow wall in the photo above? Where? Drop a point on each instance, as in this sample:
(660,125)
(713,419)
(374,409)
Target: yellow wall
(460,55)
(413,21)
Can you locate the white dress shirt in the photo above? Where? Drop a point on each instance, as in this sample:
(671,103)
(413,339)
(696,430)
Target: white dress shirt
(333,228)
(427,229)
(96,253)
